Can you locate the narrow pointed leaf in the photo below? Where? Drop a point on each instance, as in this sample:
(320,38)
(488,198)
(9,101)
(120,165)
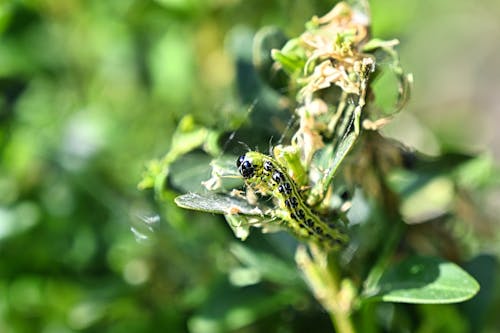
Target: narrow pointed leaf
(216,203)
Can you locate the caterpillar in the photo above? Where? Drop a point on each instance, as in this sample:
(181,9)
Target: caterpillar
(268,177)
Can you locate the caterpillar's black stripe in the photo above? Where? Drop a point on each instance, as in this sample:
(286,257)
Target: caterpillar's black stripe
(267,176)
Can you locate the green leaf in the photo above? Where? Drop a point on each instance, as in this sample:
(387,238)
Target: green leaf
(424,280)
(341,152)
(291,57)
(216,203)
(329,159)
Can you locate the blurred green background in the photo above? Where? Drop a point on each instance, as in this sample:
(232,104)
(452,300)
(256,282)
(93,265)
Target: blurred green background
(91,90)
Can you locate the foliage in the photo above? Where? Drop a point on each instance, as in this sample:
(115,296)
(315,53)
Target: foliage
(90,90)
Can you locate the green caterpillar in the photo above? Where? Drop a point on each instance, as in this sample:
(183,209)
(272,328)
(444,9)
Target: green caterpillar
(266,176)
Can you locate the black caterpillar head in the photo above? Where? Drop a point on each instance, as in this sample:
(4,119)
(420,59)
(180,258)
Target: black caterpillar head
(245,167)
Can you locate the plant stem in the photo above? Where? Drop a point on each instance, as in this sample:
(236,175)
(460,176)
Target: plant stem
(342,323)
(322,277)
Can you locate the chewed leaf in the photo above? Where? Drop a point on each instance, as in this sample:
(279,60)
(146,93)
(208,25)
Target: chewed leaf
(224,174)
(424,280)
(216,203)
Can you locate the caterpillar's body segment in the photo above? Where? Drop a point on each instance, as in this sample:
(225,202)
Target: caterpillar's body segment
(268,177)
